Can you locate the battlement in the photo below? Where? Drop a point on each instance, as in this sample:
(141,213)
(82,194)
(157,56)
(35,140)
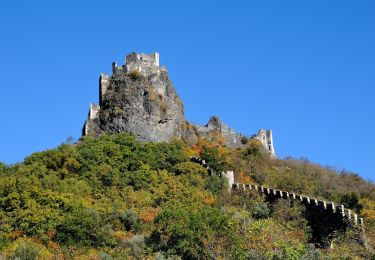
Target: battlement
(327,212)
(144,63)
(152,58)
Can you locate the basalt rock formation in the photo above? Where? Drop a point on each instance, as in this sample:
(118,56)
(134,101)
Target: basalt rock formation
(139,98)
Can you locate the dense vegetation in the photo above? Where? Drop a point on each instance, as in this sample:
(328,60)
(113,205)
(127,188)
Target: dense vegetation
(115,198)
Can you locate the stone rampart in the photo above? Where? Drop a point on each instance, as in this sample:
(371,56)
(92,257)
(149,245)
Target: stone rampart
(330,206)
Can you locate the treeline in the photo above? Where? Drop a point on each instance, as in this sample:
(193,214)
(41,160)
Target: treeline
(115,198)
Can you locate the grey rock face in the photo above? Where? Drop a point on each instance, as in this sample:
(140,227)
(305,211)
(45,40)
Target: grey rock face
(139,98)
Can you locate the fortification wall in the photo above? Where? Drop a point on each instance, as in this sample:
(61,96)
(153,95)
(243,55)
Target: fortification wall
(331,207)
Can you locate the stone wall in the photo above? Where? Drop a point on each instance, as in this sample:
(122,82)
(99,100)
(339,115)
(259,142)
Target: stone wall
(329,206)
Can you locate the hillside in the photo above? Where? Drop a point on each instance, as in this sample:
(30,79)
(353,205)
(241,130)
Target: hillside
(113,197)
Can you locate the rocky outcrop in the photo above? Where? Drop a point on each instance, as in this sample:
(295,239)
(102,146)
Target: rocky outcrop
(139,98)
(215,127)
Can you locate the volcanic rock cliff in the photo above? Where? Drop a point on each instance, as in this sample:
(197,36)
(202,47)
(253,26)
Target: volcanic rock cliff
(139,98)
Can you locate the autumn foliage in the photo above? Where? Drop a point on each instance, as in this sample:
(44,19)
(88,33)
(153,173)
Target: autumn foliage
(110,197)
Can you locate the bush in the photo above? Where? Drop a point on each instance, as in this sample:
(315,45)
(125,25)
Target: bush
(136,245)
(4,241)
(352,201)
(141,179)
(253,149)
(261,210)
(189,168)
(311,253)
(3,167)
(161,256)
(215,184)
(255,255)
(287,211)
(163,156)
(105,256)
(130,220)
(82,226)
(190,231)
(274,240)
(134,74)
(26,251)
(214,158)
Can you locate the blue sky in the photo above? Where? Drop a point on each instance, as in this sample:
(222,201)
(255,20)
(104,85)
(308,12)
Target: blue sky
(305,69)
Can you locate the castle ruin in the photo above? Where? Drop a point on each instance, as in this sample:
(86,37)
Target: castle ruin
(140,99)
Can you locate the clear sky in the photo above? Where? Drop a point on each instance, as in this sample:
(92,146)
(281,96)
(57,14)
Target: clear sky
(305,69)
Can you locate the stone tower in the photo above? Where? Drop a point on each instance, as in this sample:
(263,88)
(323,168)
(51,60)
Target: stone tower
(265,137)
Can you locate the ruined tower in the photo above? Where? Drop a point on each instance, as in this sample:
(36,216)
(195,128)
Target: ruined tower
(265,137)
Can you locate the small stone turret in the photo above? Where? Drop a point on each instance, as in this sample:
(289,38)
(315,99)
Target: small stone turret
(103,86)
(265,137)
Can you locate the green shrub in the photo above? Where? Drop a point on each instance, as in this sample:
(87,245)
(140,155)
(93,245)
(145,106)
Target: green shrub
(82,226)
(4,241)
(136,245)
(26,251)
(214,158)
(352,201)
(216,184)
(275,240)
(286,210)
(130,220)
(261,210)
(187,168)
(105,256)
(190,231)
(311,253)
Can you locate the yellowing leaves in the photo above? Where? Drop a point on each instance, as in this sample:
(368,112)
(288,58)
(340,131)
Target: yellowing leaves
(368,211)
(148,215)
